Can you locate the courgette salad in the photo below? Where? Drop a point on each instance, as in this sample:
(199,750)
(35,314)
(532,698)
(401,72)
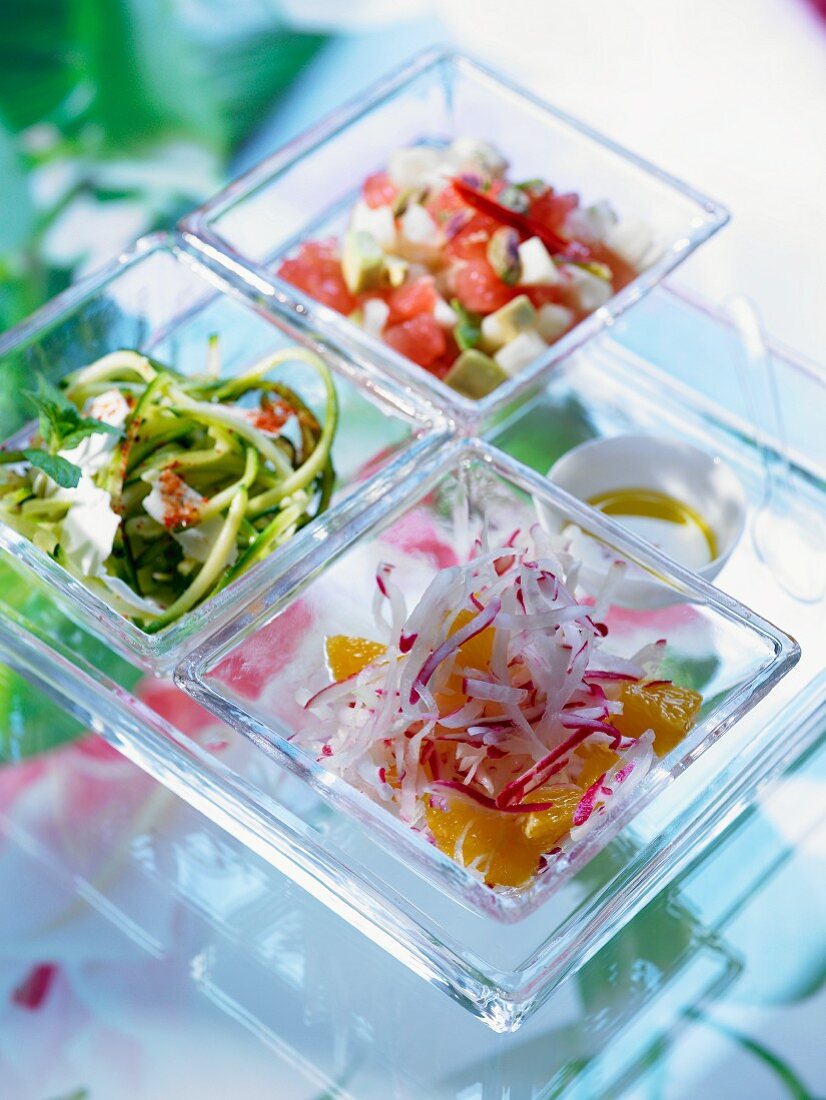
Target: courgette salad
(159,489)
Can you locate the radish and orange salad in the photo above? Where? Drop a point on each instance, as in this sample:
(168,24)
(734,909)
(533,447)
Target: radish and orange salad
(467,273)
(494,718)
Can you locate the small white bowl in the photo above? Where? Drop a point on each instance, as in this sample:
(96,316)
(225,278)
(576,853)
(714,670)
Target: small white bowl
(686,473)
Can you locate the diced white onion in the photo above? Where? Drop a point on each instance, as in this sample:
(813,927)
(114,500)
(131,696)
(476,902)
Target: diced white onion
(378,221)
(588,290)
(631,239)
(553,320)
(444,314)
(417,226)
(374,313)
(520,352)
(408,167)
(537,267)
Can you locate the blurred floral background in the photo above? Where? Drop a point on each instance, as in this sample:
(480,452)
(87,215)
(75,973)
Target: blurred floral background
(117,116)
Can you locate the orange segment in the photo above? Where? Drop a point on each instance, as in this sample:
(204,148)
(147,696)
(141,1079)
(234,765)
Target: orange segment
(476,651)
(509,846)
(548,827)
(452,699)
(667,709)
(347,656)
(466,832)
(596,760)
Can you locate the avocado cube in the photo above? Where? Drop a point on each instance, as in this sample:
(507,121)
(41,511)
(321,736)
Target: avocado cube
(362,261)
(505,324)
(475,374)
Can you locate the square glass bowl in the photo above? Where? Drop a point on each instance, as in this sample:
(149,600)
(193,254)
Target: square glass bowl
(161,300)
(306,190)
(501,972)
(255,674)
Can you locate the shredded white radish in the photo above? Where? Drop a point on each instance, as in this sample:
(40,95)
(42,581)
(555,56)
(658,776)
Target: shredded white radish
(486,690)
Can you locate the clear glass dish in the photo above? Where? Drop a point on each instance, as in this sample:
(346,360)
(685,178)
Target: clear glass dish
(252,674)
(158,299)
(307,188)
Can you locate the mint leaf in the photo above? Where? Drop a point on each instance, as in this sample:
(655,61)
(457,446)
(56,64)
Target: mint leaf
(61,425)
(469,329)
(66,474)
(51,407)
(48,391)
(87,426)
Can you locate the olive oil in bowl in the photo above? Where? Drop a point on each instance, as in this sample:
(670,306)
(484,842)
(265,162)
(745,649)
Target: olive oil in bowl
(670,524)
(685,501)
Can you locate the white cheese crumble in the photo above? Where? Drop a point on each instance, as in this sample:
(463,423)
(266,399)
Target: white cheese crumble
(88,530)
(92,453)
(159,504)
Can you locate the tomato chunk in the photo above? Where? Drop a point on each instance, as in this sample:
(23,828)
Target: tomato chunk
(471,241)
(420,338)
(551,209)
(445,204)
(316,269)
(412,299)
(544,295)
(480,289)
(379,190)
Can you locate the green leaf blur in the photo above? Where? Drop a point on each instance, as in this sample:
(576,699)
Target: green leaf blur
(132,107)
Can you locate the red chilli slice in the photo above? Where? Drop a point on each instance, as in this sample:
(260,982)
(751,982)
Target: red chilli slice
(523,223)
